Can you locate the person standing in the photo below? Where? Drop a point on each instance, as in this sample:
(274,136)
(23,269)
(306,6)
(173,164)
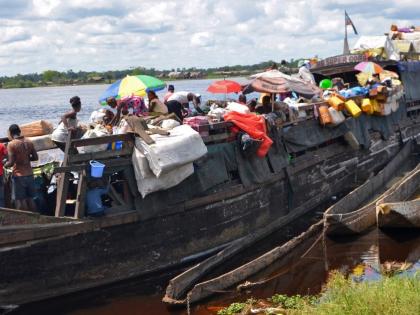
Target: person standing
(171,90)
(68,124)
(21,152)
(3,156)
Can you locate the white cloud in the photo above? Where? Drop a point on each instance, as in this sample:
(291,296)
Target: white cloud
(202,39)
(115,34)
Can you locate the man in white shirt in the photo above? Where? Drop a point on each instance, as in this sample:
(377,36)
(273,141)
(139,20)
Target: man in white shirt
(179,102)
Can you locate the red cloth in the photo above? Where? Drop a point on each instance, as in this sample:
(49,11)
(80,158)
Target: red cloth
(254,125)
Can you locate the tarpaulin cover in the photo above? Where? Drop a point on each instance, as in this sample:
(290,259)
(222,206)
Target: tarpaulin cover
(282,85)
(309,134)
(254,125)
(377,42)
(410,76)
(252,170)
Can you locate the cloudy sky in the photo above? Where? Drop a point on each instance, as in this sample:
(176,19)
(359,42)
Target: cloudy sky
(117,34)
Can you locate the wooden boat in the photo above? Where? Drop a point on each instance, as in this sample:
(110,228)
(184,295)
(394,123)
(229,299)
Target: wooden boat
(176,292)
(393,211)
(355,213)
(43,259)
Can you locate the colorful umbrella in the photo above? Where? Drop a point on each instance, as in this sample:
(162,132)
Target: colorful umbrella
(282,85)
(369,67)
(224,87)
(137,85)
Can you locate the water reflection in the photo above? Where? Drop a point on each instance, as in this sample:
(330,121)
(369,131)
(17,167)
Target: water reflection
(303,272)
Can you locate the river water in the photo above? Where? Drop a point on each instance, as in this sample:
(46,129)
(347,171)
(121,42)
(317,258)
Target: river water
(49,103)
(301,274)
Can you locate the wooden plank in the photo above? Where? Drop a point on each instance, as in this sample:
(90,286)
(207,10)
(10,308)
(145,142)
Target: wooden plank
(101,140)
(81,167)
(77,158)
(79,211)
(63,184)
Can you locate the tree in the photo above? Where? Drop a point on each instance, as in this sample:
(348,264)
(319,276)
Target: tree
(51,75)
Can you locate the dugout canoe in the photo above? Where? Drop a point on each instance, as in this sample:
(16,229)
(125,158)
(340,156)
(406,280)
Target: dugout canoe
(396,210)
(356,212)
(176,294)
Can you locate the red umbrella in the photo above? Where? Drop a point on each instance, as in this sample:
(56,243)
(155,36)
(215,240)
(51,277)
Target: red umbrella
(224,87)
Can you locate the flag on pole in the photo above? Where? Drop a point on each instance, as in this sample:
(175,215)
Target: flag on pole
(350,22)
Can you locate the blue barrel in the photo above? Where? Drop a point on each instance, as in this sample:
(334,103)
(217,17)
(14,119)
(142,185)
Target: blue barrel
(96,169)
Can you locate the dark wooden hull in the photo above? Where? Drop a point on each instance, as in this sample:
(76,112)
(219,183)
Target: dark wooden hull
(101,251)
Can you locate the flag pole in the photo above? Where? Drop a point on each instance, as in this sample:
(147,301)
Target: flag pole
(346,49)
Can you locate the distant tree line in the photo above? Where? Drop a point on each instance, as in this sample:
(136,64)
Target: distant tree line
(70,77)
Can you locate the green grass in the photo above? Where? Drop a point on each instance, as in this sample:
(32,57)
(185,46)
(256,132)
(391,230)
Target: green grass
(342,296)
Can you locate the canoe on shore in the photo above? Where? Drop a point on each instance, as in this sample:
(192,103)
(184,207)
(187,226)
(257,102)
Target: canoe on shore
(394,211)
(207,288)
(404,214)
(356,212)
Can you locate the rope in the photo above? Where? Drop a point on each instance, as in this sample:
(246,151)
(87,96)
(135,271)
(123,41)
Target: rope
(188,305)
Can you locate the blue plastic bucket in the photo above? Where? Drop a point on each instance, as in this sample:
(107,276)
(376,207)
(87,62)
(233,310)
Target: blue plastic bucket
(96,169)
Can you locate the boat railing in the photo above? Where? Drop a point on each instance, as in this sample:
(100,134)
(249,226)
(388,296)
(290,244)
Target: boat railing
(115,160)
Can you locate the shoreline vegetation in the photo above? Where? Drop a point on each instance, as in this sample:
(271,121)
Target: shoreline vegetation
(341,295)
(56,78)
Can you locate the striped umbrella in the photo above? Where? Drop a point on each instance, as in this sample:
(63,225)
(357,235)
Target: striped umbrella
(369,67)
(136,85)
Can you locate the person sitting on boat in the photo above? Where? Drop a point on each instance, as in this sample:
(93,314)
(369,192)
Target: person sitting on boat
(242,99)
(265,107)
(21,152)
(252,104)
(68,125)
(156,107)
(171,90)
(179,102)
(135,103)
(3,159)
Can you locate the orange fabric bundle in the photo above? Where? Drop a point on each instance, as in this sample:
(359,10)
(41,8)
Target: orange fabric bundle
(254,125)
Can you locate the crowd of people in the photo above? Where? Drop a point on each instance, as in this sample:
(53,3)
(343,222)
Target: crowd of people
(20,151)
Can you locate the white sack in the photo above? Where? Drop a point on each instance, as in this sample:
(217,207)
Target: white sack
(236,107)
(183,145)
(147,182)
(169,124)
(98,131)
(42,143)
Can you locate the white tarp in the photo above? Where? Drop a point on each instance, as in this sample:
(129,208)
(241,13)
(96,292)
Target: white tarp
(377,42)
(182,146)
(147,182)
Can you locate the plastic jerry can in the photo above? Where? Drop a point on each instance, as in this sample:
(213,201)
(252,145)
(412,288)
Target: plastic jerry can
(353,109)
(336,102)
(324,115)
(376,107)
(367,106)
(337,117)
